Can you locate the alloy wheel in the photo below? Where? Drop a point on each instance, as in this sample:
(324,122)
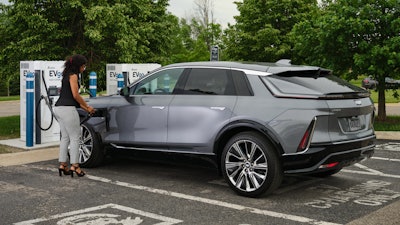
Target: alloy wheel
(246,165)
(85,144)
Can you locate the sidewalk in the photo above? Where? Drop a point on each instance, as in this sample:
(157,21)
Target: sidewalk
(387,135)
(20,158)
(37,153)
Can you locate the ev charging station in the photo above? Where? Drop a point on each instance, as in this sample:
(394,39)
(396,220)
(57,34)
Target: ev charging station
(129,72)
(46,91)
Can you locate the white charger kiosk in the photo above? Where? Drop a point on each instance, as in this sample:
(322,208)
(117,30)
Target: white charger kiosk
(47,85)
(130,72)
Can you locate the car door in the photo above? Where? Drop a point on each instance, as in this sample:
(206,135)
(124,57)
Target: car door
(143,121)
(199,111)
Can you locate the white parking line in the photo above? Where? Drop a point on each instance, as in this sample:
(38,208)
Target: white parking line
(369,171)
(214,202)
(386,159)
(205,200)
(391,146)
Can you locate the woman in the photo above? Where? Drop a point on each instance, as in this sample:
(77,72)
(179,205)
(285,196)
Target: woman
(67,115)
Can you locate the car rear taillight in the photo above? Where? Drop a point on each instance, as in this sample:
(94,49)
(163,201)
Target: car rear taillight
(307,136)
(329,165)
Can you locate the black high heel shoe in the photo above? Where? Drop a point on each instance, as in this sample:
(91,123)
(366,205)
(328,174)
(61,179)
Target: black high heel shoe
(63,169)
(80,174)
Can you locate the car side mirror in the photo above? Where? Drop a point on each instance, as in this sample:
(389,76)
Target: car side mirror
(124,91)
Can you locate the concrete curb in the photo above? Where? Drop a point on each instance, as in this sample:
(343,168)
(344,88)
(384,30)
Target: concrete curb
(20,158)
(387,135)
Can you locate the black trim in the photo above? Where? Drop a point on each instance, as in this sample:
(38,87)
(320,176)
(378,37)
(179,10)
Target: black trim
(345,153)
(248,125)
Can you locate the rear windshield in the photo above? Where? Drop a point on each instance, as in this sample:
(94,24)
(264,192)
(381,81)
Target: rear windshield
(323,85)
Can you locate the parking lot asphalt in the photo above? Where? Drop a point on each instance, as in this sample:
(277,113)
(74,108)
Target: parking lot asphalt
(143,182)
(40,153)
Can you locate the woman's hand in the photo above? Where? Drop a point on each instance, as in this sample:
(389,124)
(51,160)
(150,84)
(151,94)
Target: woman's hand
(91,110)
(88,109)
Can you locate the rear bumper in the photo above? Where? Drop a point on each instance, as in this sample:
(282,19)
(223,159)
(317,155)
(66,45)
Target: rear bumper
(343,153)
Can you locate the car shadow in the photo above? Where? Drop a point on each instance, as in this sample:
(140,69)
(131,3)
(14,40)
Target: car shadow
(167,167)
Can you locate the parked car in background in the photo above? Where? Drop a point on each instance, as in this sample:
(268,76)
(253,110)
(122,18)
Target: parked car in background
(258,121)
(369,83)
(391,83)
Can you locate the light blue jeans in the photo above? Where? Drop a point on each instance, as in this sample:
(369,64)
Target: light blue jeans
(68,118)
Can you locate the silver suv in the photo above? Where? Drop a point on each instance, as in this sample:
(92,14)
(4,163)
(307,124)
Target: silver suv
(259,120)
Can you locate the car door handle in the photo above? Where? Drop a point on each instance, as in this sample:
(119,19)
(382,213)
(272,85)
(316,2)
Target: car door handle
(158,107)
(218,108)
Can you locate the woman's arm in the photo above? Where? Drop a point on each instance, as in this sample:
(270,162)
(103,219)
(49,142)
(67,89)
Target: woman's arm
(73,81)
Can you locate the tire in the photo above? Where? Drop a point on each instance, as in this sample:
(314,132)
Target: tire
(250,165)
(91,151)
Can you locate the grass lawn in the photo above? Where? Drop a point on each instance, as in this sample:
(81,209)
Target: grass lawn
(9,98)
(9,127)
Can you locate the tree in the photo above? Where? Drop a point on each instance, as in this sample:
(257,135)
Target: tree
(135,31)
(197,35)
(262,28)
(27,34)
(358,37)
(4,75)
(106,31)
(205,11)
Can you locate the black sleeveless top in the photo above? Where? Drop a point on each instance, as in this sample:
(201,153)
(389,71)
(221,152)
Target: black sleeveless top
(66,97)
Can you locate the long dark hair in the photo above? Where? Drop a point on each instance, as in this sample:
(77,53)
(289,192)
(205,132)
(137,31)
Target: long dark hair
(73,63)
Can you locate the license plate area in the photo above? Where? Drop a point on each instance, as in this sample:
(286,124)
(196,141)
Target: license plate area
(354,123)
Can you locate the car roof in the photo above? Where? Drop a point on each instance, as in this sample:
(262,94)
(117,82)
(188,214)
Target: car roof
(281,66)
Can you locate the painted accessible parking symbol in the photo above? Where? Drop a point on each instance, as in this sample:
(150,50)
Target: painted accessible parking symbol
(104,214)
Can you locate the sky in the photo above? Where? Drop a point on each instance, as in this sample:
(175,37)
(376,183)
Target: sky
(224,10)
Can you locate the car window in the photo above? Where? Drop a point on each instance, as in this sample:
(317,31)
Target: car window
(162,82)
(242,85)
(328,84)
(203,81)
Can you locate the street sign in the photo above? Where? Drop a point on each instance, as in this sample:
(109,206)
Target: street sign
(214,56)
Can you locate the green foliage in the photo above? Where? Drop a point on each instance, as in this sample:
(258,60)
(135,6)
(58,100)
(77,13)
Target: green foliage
(263,27)
(195,40)
(391,123)
(353,38)
(106,31)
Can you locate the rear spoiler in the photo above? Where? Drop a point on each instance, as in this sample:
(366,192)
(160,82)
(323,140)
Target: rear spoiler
(305,73)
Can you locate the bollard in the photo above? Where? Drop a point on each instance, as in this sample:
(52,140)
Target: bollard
(93,84)
(30,80)
(120,80)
